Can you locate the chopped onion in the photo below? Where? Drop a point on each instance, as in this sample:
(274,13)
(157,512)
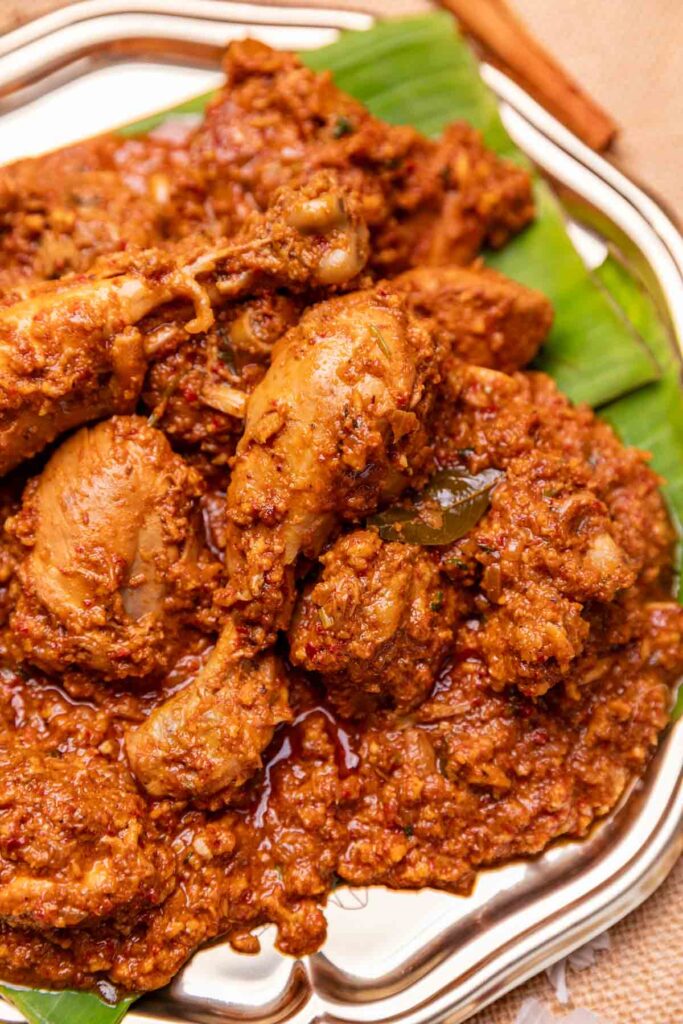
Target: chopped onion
(175,129)
(226,399)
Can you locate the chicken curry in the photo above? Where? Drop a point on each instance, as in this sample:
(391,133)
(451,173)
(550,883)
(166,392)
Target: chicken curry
(306,580)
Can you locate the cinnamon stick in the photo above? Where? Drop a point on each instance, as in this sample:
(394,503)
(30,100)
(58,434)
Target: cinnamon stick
(509,45)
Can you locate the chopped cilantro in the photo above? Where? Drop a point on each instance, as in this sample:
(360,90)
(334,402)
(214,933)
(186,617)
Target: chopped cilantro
(343,127)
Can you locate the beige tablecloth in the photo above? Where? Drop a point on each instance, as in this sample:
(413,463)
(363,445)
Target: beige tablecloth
(629,54)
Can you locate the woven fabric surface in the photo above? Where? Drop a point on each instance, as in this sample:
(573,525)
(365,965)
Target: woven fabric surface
(631,59)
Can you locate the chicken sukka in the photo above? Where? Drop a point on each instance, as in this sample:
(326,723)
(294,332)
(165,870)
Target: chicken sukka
(566,530)
(77,349)
(74,846)
(424,201)
(336,426)
(252,647)
(201,389)
(274,123)
(60,211)
(209,737)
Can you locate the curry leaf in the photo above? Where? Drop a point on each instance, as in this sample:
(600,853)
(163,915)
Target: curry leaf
(62,1007)
(452,503)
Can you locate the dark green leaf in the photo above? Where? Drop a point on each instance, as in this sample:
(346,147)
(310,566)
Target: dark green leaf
(453,502)
(652,418)
(64,1007)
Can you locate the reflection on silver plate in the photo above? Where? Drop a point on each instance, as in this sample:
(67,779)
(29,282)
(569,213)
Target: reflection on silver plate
(413,957)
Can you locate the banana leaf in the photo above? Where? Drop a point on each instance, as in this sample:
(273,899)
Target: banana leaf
(64,1007)
(652,417)
(608,346)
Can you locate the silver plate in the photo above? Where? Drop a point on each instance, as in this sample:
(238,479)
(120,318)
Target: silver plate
(411,957)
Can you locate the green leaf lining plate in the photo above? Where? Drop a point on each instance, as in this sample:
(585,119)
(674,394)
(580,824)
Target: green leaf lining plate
(64,1007)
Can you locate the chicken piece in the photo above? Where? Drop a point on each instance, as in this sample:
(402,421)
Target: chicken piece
(427,202)
(469,198)
(113,564)
(76,844)
(376,625)
(78,348)
(209,737)
(60,211)
(424,201)
(335,426)
(576,520)
(533,637)
(477,315)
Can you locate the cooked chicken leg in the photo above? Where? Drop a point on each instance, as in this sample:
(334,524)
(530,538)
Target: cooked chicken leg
(113,565)
(76,349)
(209,737)
(335,427)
